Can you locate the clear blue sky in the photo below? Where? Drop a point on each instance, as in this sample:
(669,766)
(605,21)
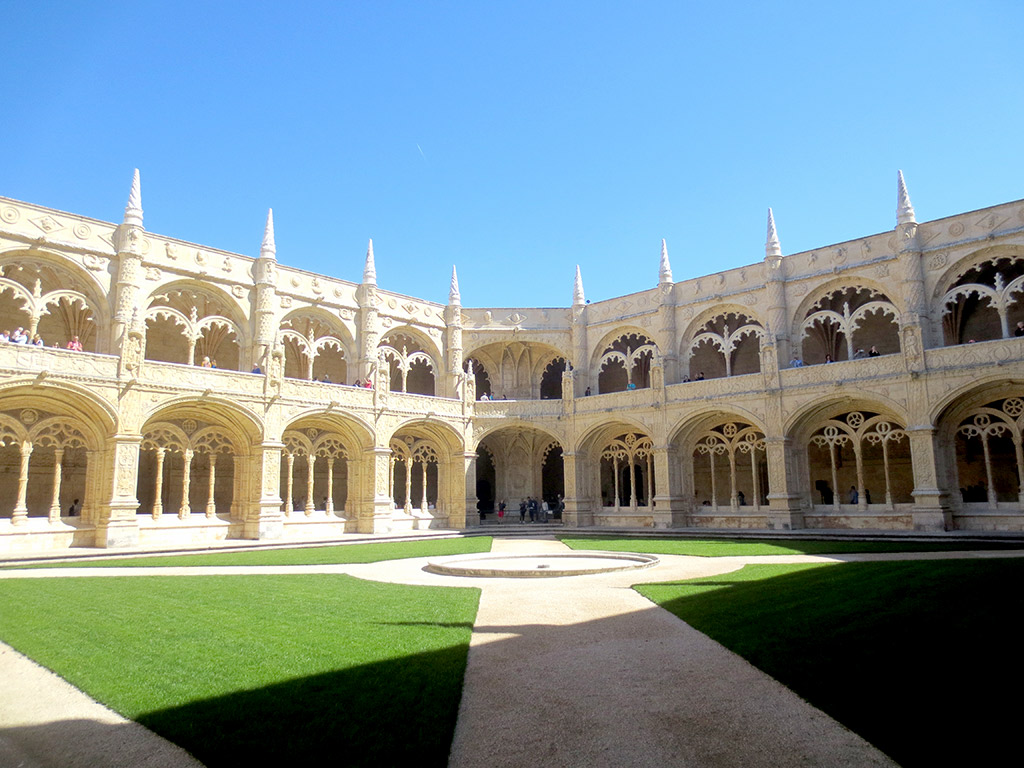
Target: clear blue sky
(514,139)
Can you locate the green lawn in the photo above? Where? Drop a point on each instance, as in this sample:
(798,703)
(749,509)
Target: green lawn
(920,658)
(347,553)
(257,670)
(751,547)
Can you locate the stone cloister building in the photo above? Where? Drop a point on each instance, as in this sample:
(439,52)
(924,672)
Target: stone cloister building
(875,384)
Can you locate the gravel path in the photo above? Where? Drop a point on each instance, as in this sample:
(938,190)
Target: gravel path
(570,671)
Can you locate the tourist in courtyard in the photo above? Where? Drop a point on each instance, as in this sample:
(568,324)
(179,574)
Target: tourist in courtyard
(5,336)
(74,345)
(256,369)
(522,511)
(37,341)
(854,496)
(828,358)
(206,363)
(796,362)
(873,352)
(559,507)
(1019,330)
(19,336)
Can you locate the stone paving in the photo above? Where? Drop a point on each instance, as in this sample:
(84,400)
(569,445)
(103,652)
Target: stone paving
(563,671)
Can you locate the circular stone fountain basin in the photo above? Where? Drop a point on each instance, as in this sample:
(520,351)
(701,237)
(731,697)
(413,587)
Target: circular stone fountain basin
(542,566)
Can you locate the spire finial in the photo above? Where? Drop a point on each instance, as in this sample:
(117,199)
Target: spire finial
(904,209)
(772,247)
(454,297)
(577,289)
(665,269)
(268,250)
(133,211)
(369,270)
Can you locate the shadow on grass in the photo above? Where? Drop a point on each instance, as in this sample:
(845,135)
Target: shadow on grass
(917,657)
(387,713)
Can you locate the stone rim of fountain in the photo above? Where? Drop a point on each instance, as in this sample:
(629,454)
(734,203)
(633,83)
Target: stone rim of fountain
(542,565)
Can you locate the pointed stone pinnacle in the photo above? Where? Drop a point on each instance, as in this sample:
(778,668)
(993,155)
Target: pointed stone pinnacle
(133,211)
(577,289)
(904,209)
(665,269)
(369,270)
(268,250)
(453,293)
(772,247)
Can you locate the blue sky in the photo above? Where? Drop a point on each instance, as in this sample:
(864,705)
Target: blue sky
(514,139)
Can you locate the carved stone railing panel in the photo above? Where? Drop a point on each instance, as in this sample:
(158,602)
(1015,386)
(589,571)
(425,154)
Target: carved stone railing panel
(18,357)
(518,408)
(192,376)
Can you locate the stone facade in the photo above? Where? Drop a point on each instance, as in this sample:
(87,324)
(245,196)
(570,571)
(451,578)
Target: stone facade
(876,384)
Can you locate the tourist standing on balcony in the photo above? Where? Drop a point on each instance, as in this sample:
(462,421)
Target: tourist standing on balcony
(873,352)
(37,341)
(74,345)
(5,336)
(206,363)
(19,336)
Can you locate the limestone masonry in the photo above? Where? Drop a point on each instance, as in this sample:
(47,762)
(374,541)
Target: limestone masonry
(875,384)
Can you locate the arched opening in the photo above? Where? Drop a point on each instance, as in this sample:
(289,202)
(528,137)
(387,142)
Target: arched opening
(730,468)
(626,364)
(848,323)
(984,302)
(627,472)
(411,367)
(52,305)
(193,325)
(857,460)
(989,458)
(726,345)
(481,377)
(551,380)
(313,349)
(187,466)
(526,464)
(485,482)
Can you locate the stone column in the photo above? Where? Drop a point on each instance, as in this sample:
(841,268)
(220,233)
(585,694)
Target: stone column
(20,514)
(158,484)
(186,481)
(58,457)
(116,525)
(462,512)
(211,501)
(375,515)
(785,510)
(310,476)
(932,510)
(329,507)
(265,520)
(669,503)
(578,510)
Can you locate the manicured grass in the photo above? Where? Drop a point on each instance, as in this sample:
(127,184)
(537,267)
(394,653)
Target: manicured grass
(259,670)
(751,547)
(920,658)
(347,553)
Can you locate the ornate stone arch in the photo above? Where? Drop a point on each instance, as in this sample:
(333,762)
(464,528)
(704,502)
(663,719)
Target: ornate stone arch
(717,336)
(623,360)
(317,345)
(845,315)
(414,362)
(187,320)
(58,298)
(979,297)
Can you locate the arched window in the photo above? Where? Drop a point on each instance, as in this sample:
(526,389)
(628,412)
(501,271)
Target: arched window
(480,376)
(989,459)
(190,325)
(313,350)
